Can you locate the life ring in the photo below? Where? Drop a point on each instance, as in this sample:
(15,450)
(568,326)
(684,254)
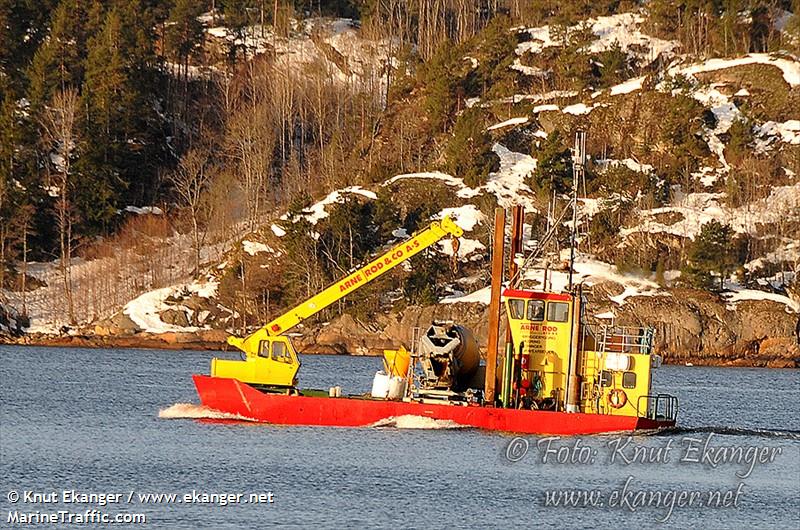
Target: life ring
(617,398)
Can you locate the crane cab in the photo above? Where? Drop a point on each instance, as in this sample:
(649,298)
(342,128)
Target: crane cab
(268,361)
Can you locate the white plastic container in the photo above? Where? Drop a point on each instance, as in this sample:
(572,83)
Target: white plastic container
(380,385)
(397,387)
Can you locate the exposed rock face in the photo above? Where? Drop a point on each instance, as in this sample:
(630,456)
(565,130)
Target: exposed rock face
(11,322)
(691,326)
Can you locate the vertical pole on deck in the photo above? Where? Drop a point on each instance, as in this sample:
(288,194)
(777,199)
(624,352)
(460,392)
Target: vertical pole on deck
(517,221)
(494,304)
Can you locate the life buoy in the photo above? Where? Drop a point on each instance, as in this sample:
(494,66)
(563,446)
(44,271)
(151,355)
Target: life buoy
(617,398)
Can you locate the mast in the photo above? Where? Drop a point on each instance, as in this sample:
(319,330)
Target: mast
(578,166)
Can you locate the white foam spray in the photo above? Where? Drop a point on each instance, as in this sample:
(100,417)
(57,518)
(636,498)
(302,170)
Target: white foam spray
(197,412)
(410,421)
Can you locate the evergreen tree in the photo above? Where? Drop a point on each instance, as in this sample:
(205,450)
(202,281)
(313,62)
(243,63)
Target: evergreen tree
(59,63)
(347,236)
(184,32)
(237,19)
(712,251)
(386,216)
(553,166)
(495,54)
(23,27)
(438,77)
(107,97)
(469,152)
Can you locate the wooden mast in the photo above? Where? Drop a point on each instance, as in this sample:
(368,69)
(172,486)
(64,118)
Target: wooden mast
(494,305)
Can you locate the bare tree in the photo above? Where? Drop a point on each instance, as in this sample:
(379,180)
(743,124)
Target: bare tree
(23,228)
(4,229)
(59,128)
(190,181)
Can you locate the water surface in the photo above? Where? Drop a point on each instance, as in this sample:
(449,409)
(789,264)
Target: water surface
(89,420)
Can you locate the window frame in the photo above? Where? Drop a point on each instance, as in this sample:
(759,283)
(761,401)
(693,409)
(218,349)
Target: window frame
(556,305)
(626,375)
(534,303)
(516,303)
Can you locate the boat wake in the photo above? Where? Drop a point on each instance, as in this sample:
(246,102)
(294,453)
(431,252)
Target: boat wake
(410,421)
(730,431)
(181,411)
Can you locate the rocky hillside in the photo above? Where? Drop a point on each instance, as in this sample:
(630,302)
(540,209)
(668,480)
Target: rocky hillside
(690,216)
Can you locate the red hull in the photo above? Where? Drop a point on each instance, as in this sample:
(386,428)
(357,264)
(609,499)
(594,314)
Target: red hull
(234,397)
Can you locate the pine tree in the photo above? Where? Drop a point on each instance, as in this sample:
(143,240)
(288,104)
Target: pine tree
(469,152)
(553,168)
(712,251)
(106,97)
(438,76)
(184,33)
(59,63)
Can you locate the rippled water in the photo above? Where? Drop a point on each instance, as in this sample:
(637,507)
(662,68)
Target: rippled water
(89,420)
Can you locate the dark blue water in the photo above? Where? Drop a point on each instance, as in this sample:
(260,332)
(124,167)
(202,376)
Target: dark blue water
(88,420)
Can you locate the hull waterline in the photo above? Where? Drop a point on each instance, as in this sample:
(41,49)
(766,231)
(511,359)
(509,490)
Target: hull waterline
(234,397)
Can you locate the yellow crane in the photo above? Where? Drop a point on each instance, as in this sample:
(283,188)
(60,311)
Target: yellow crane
(271,360)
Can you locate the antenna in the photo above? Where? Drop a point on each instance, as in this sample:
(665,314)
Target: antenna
(578,166)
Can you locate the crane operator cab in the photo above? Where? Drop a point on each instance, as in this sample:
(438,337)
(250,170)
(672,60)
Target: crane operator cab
(273,362)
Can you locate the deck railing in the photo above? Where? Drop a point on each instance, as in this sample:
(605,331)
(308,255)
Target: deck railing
(625,339)
(658,407)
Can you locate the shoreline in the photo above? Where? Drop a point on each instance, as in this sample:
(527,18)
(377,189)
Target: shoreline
(215,341)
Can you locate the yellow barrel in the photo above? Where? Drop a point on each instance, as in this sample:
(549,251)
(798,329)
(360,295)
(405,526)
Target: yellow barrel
(397,361)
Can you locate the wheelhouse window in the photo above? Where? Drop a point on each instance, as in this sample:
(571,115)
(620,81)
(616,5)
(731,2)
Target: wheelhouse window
(557,311)
(629,380)
(516,308)
(605,378)
(536,310)
(263,349)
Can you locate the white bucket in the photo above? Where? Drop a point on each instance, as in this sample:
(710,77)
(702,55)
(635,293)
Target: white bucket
(380,385)
(397,388)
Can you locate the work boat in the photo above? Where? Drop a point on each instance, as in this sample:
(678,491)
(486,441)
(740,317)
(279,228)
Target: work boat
(557,374)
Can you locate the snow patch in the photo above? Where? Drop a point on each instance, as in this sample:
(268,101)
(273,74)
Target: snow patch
(544,108)
(696,209)
(254,247)
(465,247)
(617,30)
(467,216)
(278,231)
(465,192)
(144,210)
(631,85)
(790,69)
(317,211)
(145,309)
(507,123)
(740,295)
(787,132)
(481,296)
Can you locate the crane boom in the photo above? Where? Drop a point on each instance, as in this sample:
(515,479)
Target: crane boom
(353,281)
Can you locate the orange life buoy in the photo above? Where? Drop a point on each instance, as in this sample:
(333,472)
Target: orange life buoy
(617,398)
